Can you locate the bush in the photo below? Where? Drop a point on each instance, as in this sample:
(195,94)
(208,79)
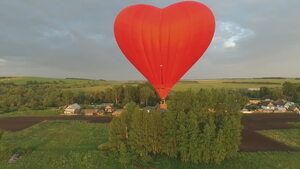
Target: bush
(199,127)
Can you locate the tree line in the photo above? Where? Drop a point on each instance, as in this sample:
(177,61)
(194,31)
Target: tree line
(35,95)
(289,91)
(40,95)
(198,127)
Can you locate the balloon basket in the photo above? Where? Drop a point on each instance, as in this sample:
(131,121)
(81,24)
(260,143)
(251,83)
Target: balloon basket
(162,104)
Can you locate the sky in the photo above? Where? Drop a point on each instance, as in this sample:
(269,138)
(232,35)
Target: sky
(74,38)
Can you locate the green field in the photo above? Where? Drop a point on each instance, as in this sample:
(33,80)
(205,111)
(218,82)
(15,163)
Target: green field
(47,112)
(23,80)
(73,145)
(100,85)
(290,137)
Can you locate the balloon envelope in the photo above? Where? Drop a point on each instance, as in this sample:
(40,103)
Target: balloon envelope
(164,43)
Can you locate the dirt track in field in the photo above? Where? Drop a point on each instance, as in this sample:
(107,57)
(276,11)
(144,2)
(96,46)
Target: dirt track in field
(251,140)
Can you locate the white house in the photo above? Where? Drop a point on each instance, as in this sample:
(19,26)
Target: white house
(72,109)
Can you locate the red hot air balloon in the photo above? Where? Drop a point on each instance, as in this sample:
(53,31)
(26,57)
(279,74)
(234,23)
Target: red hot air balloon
(164,43)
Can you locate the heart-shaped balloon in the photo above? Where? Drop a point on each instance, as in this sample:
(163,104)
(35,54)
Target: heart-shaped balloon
(164,43)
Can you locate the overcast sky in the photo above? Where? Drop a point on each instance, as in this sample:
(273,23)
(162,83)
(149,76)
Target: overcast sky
(74,38)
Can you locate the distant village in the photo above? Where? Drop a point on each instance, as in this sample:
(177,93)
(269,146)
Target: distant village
(271,106)
(97,110)
(253,106)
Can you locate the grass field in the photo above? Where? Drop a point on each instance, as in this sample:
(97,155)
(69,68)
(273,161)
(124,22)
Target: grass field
(297,124)
(290,137)
(29,112)
(100,85)
(233,84)
(73,145)
(208,84)
(23,80)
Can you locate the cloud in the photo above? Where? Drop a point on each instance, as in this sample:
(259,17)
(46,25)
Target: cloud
(53,33)
(2,61)
(71,38)
(229,34)
(96,36)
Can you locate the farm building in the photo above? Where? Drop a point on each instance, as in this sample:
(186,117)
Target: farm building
(73,109)
(92,112)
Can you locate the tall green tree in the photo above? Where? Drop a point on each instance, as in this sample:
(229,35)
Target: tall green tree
(117,94)
(290,90)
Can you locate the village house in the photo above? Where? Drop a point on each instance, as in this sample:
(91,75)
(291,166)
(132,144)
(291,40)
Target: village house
(254,89)
(107,107)
(92,112)
(73,109)
(288,104)
(254,102)
(118,112)
(280,105)
(280,109)
(246,111)
(294,108)
(63,107)
(280,102)
(268,105)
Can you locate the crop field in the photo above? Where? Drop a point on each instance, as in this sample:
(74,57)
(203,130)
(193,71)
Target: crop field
(54,143)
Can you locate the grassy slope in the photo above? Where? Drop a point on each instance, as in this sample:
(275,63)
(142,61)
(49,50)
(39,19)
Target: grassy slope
(290,137)
(73,145)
